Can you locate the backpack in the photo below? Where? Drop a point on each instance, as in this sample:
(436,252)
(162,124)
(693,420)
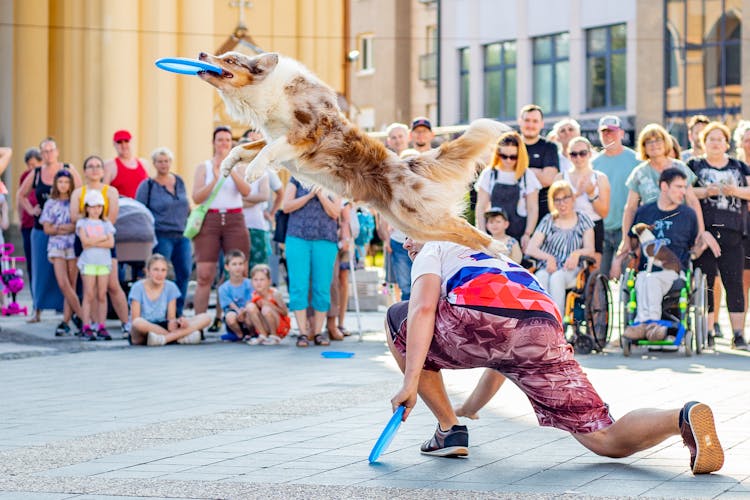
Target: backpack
(366,227)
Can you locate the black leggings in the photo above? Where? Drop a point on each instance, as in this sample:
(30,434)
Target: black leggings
(730,265)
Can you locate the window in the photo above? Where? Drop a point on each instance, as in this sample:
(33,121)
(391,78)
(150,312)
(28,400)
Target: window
(551,73)
(463,85)
(500,80)
(606,49)
(428,60)
(366,58)
(702,58)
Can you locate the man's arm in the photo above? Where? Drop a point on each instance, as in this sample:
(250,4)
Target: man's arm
(425,294)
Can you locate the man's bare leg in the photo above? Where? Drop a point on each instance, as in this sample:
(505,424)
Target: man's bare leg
(486,388)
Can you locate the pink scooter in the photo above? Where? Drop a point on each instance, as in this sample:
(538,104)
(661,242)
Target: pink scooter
(11,277)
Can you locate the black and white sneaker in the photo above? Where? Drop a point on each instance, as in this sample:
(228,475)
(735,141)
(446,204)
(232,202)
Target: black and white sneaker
(451,443)
(738,342)
(62,330)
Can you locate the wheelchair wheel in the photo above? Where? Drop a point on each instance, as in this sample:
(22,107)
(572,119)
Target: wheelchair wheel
(625,317)
(598,310)
(699,302)
(584,344)
(688,343)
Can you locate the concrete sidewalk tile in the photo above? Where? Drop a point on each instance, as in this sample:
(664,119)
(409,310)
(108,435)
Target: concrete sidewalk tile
(696,488)
(396,483)
(130,474)
(193,475)
(618,487)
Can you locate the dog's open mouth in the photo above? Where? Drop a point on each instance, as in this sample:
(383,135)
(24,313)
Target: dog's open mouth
(223,74)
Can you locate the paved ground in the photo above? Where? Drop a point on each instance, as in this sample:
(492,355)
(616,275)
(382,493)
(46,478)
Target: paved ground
(105,420)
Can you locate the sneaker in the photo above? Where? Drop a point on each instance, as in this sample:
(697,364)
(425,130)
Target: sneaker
(154,339)
(62,330)
(738,342)
(215,326)
(102,332)
(699,435)
(88,333)
(126,330)
(635,332)
(717,331)
(193,338)
(77,321)
(710,341)
(655,331)
(450,443)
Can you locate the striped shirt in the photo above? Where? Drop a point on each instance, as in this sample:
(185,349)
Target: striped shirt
(560,242)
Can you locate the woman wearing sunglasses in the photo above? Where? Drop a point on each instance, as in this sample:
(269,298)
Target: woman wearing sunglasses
(561,239)
(509,184)
(590,188)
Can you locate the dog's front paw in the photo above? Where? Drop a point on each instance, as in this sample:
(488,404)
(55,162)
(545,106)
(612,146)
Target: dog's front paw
(228,164)
(255,169)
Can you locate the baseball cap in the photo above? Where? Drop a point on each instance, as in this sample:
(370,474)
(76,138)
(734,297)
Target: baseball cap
(610,121)
(122,135)
(421,122)
(94,198)
(493,211)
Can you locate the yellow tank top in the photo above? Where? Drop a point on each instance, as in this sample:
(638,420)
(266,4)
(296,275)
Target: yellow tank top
(81,203)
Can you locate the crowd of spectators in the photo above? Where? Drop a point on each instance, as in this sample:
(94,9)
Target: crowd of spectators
(551,200)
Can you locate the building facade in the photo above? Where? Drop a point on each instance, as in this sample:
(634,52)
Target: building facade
(78,70)
(392,61)
(644,60)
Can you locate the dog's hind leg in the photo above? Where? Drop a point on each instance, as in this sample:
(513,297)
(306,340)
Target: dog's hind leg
(459,231)
(273,154)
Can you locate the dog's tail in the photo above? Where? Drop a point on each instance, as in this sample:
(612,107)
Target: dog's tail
(456,160)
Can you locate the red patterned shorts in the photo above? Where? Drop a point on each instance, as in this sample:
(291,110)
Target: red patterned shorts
(531,352)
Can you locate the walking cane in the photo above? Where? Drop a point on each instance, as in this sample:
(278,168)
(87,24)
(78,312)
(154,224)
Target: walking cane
(352,273)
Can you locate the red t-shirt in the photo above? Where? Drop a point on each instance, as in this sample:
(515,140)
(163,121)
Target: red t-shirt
(127,179)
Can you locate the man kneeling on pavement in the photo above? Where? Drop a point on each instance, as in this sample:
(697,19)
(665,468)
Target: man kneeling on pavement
(468,310)
(665,230)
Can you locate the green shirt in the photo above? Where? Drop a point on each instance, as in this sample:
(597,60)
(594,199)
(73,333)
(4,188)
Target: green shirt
(617,169)
(644,180)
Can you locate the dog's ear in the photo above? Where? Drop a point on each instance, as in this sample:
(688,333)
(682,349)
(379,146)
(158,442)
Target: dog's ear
(264,63)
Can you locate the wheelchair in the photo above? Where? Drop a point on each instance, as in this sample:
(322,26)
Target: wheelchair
(684,313)
(588,310)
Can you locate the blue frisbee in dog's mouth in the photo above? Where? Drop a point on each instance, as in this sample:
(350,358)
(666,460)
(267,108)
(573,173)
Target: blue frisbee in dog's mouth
(186,66)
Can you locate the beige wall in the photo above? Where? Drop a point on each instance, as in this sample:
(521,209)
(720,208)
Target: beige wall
(393,91)
(83,69)
(649,45)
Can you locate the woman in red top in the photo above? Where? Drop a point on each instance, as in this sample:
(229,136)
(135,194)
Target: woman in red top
(125,172)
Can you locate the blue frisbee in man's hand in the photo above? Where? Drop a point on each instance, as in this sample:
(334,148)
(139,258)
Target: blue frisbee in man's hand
(387,435)
(186,66)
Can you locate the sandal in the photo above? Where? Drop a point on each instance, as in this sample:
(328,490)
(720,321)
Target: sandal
(335,334)
(344,331)
(321,340)
(303,341)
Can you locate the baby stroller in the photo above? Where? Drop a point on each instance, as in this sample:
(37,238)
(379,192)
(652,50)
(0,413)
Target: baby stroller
(12,279)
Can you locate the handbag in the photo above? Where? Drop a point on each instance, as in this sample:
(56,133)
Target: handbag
(195,219)
(282,222)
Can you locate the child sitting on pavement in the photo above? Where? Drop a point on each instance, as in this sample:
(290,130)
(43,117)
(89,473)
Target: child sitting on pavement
(268,311)
(496,222)
(153,310)
(235,296)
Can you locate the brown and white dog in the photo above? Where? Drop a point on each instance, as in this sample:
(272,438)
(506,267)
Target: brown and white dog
(654,253)
(421,195)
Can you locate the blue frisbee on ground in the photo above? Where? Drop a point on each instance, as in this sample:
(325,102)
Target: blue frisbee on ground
(387,435)
(186,66)
(336,354)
